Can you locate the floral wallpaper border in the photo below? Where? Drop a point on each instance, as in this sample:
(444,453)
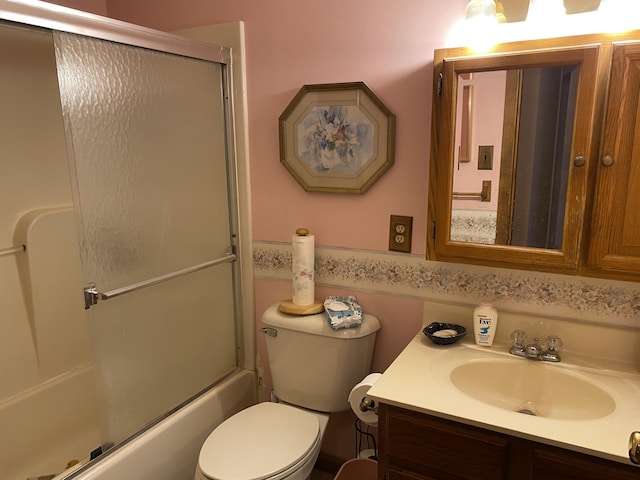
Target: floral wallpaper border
(474,226)
(561,296)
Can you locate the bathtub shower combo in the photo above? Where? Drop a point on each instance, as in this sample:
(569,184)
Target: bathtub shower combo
(119,246)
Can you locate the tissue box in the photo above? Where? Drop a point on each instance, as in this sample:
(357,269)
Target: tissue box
(343,312)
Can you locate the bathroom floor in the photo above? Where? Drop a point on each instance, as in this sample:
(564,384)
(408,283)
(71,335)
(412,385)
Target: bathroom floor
(321,475)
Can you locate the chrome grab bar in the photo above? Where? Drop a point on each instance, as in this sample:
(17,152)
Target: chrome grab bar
(10,250)
(91,294)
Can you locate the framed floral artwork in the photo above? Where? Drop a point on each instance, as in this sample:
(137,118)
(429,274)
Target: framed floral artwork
(337,138)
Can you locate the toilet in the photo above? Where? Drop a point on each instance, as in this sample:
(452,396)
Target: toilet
(313,369)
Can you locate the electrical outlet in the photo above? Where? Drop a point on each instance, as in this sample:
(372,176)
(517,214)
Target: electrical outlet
(400,233)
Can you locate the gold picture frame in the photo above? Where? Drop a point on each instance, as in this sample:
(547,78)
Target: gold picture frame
(337,138)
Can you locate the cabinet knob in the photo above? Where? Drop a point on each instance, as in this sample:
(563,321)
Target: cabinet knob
(634,447)
(579,160)
(607,160)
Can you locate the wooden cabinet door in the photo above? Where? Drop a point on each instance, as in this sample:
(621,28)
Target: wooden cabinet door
(393,474)
(421,447)
(414,446)
(551,463)
(615,233)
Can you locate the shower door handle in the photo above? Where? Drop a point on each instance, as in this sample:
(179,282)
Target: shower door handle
(92,295)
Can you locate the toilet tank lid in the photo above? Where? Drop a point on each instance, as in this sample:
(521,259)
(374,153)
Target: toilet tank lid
(318,324)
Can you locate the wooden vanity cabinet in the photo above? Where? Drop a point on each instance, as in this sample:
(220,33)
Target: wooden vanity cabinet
(415,446)
(423,447)
(549,462)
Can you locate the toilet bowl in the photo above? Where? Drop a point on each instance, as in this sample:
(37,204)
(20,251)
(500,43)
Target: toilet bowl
(268,441)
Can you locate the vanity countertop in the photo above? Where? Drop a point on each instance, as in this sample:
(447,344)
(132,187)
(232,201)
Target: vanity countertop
(418,380)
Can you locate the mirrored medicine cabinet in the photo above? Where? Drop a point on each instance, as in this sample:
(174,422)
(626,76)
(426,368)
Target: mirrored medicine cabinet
(518,156)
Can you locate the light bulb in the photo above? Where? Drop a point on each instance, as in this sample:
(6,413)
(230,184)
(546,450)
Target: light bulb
(481,10)
(480,24)
(619,15)
(545,11)
(500,12)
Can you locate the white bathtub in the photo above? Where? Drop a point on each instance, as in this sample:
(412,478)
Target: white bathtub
(55,418)
(169,450)
(48,401)
(62,421)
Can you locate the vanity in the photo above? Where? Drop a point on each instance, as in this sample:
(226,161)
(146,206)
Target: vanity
(467,412)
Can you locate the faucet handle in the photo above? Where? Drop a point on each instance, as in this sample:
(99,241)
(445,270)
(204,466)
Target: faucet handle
(554,343)
(518,341)
(518,338)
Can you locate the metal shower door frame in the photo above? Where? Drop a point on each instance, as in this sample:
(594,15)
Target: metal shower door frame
(54,17)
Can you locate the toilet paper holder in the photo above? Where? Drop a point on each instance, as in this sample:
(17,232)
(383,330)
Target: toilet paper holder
(363,405)
(367,405)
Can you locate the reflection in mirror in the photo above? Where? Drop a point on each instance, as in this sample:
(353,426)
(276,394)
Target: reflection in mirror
(465,112)
(520,140)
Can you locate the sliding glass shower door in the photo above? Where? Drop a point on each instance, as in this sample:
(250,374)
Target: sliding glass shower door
(147,143)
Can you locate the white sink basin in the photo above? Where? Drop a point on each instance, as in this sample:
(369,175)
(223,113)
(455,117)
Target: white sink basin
(534,388)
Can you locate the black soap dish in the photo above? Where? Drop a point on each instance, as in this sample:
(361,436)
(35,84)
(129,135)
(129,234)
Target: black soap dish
(444,333)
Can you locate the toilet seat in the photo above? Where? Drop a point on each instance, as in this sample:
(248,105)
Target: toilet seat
(264,441)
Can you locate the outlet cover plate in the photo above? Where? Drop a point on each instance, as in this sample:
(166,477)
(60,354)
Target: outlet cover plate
(400,229)
(485,157)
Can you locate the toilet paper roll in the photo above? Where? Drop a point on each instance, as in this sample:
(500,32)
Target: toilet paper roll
(358,394)
(303,269)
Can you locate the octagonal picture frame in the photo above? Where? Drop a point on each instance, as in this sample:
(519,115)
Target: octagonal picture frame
(337,138)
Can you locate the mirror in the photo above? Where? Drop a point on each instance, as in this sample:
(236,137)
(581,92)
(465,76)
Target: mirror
(512,135)
(520,141)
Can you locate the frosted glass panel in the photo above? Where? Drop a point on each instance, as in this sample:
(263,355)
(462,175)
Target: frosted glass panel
(147,130)
(161,345)
(146,138)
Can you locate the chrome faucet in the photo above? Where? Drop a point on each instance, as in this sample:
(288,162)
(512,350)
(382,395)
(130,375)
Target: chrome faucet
(533,350)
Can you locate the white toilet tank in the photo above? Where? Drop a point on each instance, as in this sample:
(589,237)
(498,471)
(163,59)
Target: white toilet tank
(312,365)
